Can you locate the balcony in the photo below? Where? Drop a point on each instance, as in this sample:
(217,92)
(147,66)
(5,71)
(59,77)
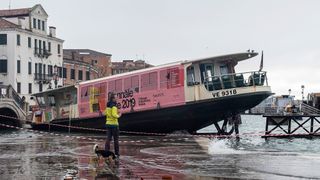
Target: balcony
(44,78)
(42,53)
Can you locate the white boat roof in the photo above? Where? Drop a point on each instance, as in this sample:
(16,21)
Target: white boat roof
(56,90)
(229,57)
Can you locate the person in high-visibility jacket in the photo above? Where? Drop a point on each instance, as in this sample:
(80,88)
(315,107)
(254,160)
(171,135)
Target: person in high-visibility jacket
(112,124)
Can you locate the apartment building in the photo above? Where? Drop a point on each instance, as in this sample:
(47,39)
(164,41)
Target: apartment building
(31,56)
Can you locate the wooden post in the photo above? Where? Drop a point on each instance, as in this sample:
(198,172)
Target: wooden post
(267,126)
(289,125)
(311,126)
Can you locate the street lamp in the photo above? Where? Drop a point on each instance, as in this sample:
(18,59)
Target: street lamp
(302,92)
(55,76)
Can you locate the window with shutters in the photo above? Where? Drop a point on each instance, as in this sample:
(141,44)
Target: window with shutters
(60,72)
(18,66)
(59,48)
(80,75)
(87,75)
(64,72)
(50,70)
(18,40)
(49,46)
(34,23)
(35,45)
(30,88)
(18,87)
(29,68)
(35,68)
(29,42)
(3,66)
(42,25)
(72,74)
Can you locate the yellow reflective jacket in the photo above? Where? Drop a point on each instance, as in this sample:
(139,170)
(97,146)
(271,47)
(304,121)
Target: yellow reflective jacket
(112,115)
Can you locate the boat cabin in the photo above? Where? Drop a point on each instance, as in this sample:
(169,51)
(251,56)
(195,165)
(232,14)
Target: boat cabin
(218,74)
(58,103)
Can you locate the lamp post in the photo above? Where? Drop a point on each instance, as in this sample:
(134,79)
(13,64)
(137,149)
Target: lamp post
(55,76)
(302,92)
(289,92)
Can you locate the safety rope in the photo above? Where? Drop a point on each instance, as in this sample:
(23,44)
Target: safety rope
(104,130)
(260,133)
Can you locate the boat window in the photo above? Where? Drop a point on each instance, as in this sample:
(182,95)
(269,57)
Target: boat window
(52,101)
(131,83)
(209,72)
(118,85)
(111,86)
(114,86)
(170,78)
(224,69)
(135,83)
(41,101)
(85,93)
(190,76)
(149,81)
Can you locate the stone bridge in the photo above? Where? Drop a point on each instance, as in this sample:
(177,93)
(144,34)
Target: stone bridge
(12,107)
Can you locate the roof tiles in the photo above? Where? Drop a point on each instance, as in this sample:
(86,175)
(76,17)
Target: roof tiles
(15,12)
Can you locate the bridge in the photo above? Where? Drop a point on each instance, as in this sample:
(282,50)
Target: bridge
(13,108)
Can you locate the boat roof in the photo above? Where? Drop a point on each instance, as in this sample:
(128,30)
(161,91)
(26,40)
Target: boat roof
(54,91)
(229,57)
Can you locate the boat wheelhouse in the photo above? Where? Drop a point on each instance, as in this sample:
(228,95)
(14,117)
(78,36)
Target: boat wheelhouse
(186,95)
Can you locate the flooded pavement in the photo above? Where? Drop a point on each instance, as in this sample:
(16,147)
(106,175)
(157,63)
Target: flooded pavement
(30,155)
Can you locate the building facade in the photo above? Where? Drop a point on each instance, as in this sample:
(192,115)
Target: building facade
(30,53)
(84,64)
(128,65)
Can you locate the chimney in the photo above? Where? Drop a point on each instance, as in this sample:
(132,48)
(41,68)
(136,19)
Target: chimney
(20,23)
(52,31)
(72,55)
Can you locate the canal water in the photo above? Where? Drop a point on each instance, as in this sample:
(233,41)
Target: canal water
(31,155)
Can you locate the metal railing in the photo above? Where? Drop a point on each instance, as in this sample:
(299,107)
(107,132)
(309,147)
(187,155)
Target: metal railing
(43,77)
(307,109)
(227,81)
(296,108)
(7,91)
(44,53)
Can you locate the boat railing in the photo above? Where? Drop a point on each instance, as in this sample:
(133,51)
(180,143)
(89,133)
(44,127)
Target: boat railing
(236,80)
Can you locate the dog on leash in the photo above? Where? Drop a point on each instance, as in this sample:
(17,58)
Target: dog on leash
(108,156)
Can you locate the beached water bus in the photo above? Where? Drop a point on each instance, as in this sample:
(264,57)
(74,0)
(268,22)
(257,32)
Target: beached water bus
(185,95)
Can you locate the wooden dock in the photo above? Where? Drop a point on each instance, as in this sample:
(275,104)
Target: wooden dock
(292,125)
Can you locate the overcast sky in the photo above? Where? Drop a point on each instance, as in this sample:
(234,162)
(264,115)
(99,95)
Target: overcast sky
(162,31)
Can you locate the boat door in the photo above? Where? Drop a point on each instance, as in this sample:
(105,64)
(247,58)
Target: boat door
(207,73)
(193,83)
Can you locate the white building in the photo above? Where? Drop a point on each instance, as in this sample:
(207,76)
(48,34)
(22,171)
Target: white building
(30,56)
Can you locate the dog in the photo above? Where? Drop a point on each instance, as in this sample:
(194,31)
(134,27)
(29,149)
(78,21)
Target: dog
(108,156)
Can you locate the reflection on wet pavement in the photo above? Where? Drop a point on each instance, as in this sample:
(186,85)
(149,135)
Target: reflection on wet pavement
(28,155)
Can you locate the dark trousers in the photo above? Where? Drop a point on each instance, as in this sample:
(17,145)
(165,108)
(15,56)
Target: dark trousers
(113,132)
